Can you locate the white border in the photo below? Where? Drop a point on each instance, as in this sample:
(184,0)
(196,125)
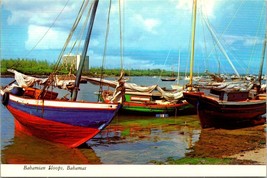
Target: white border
(135,171)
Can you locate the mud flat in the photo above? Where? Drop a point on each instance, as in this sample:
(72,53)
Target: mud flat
(245,145)
(258,155)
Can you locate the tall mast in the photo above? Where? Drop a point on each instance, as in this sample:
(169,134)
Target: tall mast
(193,43)
(178,75)
(263,55)
(86,43)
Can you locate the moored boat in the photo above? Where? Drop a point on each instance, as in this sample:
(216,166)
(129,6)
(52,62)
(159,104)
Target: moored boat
(150,103)
(41,113)
(227,109)
(222,106)
(146,100)
(168,79)
(66,122)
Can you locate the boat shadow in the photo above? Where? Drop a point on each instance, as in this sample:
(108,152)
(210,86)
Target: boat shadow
(239,125)
(26,149)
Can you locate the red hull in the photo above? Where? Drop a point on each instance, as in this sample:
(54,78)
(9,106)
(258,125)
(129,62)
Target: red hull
(50,130)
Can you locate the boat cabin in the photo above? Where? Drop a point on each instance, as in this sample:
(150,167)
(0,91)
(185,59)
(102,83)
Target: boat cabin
(230,95)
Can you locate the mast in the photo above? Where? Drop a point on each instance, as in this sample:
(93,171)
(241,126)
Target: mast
(263,55)
(86,43)
(193,43)
(178,75)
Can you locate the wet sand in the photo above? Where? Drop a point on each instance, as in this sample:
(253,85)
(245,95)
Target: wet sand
(247,145)
(257,155)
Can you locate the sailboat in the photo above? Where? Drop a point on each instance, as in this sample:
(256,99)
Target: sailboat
(41,113)
(177,86)
(172,78)
(145,100)
(219,107)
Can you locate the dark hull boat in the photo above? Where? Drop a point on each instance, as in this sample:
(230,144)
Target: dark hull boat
(226,106)
(43,114)
(168,79)
(214,111)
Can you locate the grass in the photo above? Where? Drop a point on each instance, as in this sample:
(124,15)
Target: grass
(125,132)
(156,121)
(170,123)
(195,161)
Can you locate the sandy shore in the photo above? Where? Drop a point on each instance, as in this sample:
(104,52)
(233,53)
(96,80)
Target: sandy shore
(258,155)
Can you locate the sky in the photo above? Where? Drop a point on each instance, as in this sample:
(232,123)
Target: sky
(155,34)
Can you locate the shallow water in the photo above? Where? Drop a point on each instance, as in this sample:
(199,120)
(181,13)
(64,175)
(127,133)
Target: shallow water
(127,140)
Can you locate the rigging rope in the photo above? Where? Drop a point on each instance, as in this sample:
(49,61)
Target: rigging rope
(255,41)
(47,29)
(83,29)
(121,33)
(205,42)
(56,67)
(105,50)
(228,25)
(164,64)
(81,34)
(75,24)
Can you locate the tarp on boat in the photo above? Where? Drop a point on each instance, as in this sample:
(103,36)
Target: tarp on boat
(64,81)
(25,81)
(132,87)
(237,86)
(170,96)
(114,84)
(100,81)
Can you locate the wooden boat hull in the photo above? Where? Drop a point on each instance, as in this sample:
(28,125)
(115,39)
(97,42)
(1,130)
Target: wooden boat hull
(192,97)
(168,79)
(222,113)
(144,104)
(66,122)
(153,108)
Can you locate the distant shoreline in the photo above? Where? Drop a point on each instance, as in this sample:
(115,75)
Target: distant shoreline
(11,76)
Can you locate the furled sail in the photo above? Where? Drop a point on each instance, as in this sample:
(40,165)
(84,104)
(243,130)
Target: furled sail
(23,80)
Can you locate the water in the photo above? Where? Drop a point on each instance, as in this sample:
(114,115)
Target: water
(127,140)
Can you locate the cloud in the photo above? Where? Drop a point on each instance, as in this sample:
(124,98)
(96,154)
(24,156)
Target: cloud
(252,40)
(113,61)
(184,5)
(208,7)
(147,24)
(53,40)
(153,26)
(244,40)
(41,12)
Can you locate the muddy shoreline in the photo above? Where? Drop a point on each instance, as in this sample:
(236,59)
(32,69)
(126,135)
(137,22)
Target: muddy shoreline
(246,145)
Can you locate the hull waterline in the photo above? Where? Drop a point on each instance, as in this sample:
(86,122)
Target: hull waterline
(70,126)
(148,109)
(212,112)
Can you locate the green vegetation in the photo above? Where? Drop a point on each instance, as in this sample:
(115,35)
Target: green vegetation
(125,132)
(196,161)
(26,66)
(43,67)
(149,122)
